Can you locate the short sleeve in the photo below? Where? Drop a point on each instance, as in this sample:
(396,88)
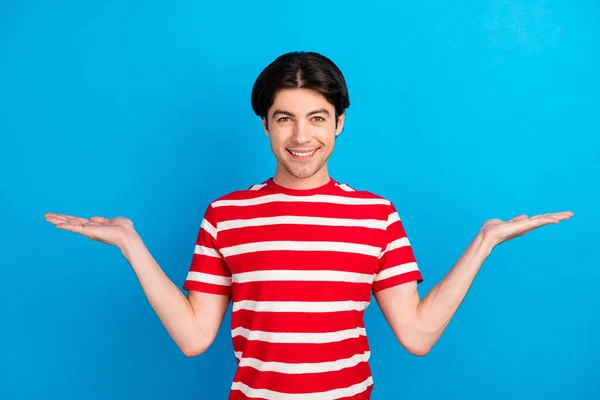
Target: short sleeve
(397,263)
(208,271)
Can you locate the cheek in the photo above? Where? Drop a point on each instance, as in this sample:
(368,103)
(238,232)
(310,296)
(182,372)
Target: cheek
(278,138)
(327,138)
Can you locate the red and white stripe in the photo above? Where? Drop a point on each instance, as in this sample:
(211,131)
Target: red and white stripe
(301,269)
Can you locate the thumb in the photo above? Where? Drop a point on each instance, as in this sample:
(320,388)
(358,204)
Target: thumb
(518,218)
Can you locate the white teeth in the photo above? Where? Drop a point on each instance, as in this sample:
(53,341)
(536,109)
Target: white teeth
(302,154)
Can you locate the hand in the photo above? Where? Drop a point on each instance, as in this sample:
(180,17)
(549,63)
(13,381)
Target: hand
(112,231)
(498,231)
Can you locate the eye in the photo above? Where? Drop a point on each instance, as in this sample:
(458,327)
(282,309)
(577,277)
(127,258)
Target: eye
(320,119)
(283,119)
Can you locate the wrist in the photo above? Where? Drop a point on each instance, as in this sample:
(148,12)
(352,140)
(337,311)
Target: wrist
(130,240)
(486,242)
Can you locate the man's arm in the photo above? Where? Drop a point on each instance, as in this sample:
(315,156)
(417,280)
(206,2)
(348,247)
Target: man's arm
(192,322)
(419,324)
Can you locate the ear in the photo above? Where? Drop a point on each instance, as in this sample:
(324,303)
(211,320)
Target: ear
(264,124)
(340,124)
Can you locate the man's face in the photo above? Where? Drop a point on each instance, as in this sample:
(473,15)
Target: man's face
(302,130)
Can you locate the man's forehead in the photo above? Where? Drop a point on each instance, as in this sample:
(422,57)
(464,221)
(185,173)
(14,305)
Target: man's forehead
(293,101)
(299,93)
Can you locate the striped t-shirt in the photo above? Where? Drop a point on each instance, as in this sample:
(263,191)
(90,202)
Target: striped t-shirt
(300,267)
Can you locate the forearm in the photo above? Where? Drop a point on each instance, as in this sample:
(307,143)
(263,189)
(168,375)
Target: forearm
(439,306)
(172,307)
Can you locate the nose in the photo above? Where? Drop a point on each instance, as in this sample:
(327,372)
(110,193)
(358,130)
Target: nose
(301,133)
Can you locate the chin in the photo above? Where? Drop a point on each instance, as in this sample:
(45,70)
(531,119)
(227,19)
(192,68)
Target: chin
(302,174)
(299,169)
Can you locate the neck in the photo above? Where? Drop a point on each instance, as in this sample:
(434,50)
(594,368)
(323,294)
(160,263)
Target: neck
(284,179)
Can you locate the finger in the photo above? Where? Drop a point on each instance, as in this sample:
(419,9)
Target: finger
(101,220)
(59,215)
(564,214)
(543,215)
(76,220)
(526,225)
(539,223)
(70,219)
(561,216)
(545,219)
(554,214)
(526,217)
(547,215)
(54,216)
(56,220)
(51,214)
(72,227)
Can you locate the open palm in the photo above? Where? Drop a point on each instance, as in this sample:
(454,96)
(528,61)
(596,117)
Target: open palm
(500,231)
(111,231)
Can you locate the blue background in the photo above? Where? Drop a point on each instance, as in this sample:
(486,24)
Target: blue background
(461,111)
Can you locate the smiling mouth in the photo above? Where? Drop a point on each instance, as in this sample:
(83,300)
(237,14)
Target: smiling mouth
(303,155)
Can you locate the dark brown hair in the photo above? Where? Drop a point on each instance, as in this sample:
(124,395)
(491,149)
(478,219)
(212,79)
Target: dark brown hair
(300,69)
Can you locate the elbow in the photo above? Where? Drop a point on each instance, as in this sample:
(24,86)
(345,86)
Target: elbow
(189,351)
(194,349)
(419,351)
(418,348)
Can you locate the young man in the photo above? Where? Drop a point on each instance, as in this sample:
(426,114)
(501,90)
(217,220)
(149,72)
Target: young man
(299,256)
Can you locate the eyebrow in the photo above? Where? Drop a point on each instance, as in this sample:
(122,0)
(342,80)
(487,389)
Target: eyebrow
(289,114)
